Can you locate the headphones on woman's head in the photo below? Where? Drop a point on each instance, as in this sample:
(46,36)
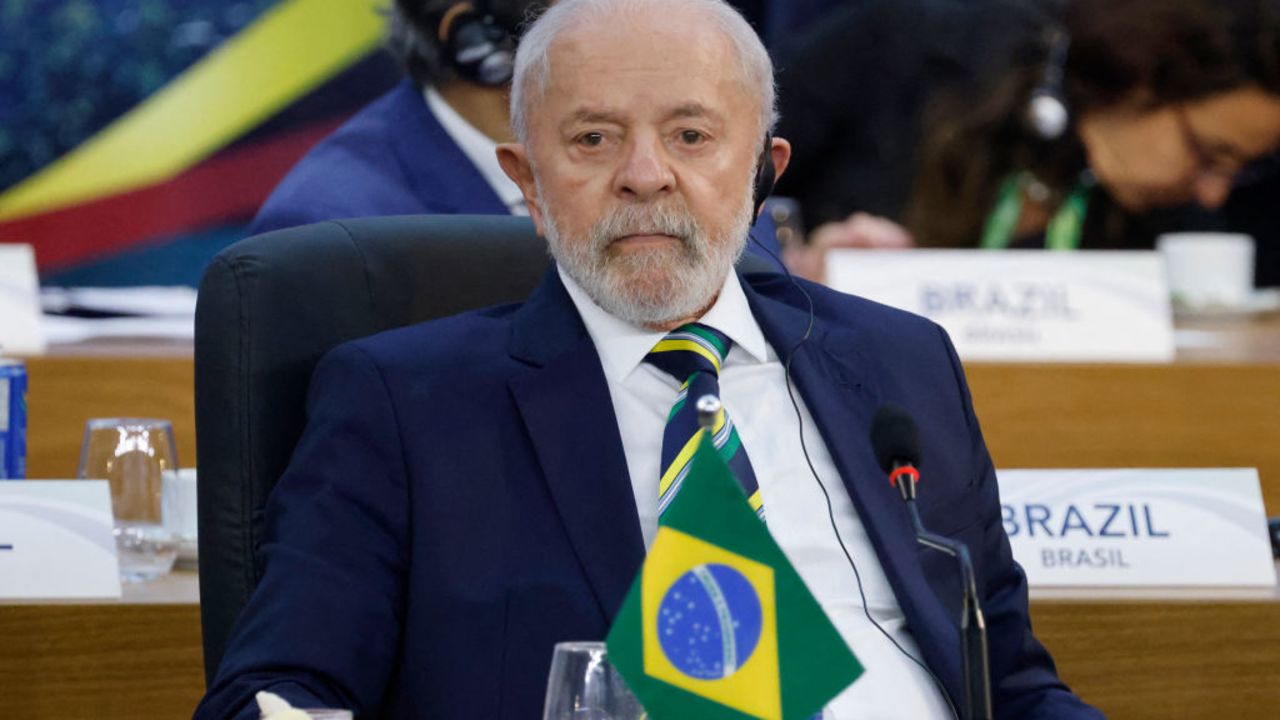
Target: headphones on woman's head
(1047,111)
(475,44)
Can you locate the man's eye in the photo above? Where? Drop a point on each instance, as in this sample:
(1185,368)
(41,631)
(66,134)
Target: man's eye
(691,137)
(593,139)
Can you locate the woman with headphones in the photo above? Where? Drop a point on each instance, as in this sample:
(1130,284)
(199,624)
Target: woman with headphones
(1160,102)
(1094,126)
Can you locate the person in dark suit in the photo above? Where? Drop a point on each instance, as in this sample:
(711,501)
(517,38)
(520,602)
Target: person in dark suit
(426,147)
(470,491)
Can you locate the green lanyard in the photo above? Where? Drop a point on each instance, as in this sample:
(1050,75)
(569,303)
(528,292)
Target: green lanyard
(1063,232)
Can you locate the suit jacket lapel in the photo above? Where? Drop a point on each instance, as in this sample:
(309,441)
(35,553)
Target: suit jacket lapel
(442,176)
(565,404)
(837,381)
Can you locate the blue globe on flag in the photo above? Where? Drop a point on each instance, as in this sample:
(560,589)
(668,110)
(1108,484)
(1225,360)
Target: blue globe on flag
(709,622)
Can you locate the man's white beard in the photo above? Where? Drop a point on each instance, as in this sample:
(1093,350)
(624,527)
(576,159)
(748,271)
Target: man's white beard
(650,286)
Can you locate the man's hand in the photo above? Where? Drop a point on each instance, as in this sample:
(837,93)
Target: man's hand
(859,230)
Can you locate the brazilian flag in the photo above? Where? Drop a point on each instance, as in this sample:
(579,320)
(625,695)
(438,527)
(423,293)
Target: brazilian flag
(718,625)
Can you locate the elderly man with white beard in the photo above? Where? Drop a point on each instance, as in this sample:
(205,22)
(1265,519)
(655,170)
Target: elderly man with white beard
(473,490)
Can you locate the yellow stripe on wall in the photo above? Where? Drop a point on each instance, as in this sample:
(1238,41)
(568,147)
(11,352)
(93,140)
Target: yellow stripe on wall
(292,48)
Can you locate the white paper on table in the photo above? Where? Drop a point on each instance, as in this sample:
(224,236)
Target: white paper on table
(149,312)
(73,330)
(56,540)
(148,301)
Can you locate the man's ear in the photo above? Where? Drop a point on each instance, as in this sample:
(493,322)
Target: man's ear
(780,154)
(514,159)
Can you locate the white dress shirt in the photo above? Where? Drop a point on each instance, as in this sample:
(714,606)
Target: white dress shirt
(479,149)
(754,392)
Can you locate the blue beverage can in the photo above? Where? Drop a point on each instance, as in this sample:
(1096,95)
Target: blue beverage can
(13,419)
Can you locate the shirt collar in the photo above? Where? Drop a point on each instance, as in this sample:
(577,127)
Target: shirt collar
(623,346)
(479,149)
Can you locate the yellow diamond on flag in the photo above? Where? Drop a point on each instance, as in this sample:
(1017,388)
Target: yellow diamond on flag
(710,623)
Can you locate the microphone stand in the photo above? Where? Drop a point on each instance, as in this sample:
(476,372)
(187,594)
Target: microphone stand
(973,627)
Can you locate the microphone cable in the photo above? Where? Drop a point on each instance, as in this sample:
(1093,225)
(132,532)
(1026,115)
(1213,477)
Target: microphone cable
(804,448)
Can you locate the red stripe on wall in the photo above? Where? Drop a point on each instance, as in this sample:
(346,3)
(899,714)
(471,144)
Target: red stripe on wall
(228,186)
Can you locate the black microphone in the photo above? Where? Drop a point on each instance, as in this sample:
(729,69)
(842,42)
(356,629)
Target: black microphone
(896,443)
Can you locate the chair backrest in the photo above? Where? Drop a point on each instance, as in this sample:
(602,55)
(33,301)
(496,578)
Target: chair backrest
(269,307)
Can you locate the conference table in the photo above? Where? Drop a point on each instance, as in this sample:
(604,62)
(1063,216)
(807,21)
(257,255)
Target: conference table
(1172,653)
(1150,654)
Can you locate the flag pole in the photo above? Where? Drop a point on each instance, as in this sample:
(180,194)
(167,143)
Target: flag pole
(708,410)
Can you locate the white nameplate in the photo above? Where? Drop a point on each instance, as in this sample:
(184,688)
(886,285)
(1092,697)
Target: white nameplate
(56,541)
(20,332)
(1024,305)
(1138,528)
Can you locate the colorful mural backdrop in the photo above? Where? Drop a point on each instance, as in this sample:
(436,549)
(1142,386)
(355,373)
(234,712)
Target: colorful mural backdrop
(138,137)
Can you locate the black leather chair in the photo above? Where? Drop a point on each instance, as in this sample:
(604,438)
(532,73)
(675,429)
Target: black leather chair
(270,306)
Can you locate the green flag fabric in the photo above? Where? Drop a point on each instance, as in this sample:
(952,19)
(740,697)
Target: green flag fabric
(718,624)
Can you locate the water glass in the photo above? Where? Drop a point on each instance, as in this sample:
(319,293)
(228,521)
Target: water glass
(583,685)
(132,455)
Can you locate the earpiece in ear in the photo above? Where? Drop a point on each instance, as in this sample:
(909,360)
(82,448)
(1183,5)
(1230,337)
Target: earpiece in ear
(765,176)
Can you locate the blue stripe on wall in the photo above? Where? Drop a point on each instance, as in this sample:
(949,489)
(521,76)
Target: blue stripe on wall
(177,260)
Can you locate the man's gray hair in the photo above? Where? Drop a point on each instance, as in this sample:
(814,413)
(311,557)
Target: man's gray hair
(533,57)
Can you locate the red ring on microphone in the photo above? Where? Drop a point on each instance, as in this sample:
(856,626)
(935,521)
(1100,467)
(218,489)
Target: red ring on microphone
(908,470)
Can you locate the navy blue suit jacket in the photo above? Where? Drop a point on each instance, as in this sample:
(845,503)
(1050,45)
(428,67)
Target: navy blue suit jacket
(460,502)
(391,158)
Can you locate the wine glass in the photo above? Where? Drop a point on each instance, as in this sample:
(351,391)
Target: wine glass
(583,685)
(132,455)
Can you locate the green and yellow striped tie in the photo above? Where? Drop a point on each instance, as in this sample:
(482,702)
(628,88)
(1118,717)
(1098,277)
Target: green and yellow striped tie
(693,354)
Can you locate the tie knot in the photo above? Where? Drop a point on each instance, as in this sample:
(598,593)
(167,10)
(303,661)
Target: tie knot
(690,349)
